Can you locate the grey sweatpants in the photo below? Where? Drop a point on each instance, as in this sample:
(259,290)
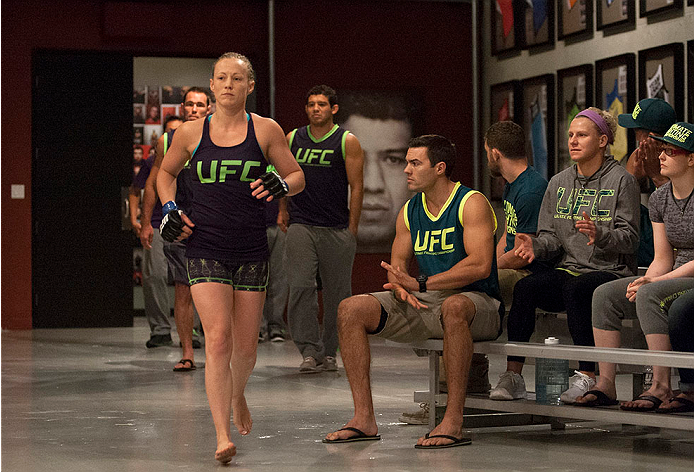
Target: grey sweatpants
(330,252)
(277,289)
(155,287)
(653,301)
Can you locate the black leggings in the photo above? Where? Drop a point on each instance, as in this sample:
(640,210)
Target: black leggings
(681,324)
(556,290)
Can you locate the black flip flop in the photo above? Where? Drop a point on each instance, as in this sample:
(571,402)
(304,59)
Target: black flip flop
(185,368)
(601,399)
(686,405)
(456,442)
(649,398)
(360,436)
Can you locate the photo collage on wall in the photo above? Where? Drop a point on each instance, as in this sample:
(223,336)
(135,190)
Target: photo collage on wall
(152,106)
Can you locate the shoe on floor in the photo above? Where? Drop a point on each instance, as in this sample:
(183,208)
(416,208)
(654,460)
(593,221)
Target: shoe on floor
(277,336)
(511,386)
(262,337)
(158,340)
(310,366)
(580,384)
(420,416)
(330,364)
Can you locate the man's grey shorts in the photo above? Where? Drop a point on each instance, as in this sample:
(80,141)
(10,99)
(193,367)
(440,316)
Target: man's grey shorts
(176,257)
(406,324)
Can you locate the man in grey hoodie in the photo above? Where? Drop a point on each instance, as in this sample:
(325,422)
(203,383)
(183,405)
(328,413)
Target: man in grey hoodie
(590,218)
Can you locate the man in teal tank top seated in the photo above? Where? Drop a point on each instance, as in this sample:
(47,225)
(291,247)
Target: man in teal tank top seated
(449,228)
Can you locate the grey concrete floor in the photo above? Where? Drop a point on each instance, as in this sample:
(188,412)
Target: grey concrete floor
(98,400)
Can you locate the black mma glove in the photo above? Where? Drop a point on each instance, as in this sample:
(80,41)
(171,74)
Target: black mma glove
(274,184)
(171,225)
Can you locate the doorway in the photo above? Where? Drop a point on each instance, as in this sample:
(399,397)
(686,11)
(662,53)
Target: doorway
(81,159)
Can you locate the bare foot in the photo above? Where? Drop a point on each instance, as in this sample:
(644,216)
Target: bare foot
(604,386)
(442,429)
(225,452)
(675,404)
(367,427)
(241,415)
(660,392)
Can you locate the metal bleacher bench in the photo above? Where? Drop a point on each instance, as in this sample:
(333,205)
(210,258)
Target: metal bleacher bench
(432,348)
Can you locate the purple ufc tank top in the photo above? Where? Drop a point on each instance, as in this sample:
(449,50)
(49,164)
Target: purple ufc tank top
(229,221)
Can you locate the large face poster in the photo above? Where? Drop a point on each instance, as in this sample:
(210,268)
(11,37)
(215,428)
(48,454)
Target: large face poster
(384,122)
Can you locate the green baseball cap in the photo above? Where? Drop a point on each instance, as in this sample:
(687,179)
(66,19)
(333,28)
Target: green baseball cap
(651,114)
(681,135)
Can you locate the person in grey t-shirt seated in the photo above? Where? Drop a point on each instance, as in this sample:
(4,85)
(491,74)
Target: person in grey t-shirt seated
(670,275)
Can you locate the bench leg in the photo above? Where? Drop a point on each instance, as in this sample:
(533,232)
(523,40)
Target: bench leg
(433,387)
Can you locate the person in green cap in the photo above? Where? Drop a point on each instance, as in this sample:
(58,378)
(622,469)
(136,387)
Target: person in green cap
(653,297)
(651,117)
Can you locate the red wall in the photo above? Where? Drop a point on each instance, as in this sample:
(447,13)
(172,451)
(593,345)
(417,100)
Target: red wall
(347,44)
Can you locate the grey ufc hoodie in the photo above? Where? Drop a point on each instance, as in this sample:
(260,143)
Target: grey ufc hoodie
(611,198)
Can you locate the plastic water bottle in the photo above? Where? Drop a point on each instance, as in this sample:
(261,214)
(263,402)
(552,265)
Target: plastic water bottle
(551,378)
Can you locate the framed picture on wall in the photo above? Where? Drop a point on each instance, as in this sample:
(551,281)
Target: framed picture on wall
(612,13)
(575,17)
(661,75)
(574,93)
(538,122)
(690,82)
(537,23)
(506,105)
(504,26)
(615,91)
(650,7)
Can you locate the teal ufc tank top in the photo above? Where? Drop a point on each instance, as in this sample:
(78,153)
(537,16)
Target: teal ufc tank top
(438,240)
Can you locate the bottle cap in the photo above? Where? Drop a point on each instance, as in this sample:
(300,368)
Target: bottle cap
(552,340)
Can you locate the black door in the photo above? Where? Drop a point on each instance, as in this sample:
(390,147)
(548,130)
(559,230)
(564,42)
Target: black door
(82,156)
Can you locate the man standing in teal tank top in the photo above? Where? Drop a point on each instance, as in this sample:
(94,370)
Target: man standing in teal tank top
(323,221)
(450,229)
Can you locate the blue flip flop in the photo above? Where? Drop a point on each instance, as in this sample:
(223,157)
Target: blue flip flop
(360,436)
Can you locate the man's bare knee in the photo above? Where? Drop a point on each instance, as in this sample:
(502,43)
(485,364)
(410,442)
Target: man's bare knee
(359,311)
(457,309)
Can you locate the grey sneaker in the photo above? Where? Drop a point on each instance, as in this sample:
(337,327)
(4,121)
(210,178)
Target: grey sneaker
(420,416)
(511,386)
(580,384)
(310,366)
(330,364)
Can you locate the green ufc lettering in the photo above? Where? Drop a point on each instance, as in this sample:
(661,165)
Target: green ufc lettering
(433,238)
(226,167)
(309,156)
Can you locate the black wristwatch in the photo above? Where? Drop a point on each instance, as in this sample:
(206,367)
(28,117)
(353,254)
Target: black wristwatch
(422,280)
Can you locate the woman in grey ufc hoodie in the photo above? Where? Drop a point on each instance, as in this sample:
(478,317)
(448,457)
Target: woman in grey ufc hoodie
(610,198)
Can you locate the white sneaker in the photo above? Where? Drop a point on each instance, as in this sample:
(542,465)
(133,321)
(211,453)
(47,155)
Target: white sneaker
(580,384)
(511,386)
(420,416)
